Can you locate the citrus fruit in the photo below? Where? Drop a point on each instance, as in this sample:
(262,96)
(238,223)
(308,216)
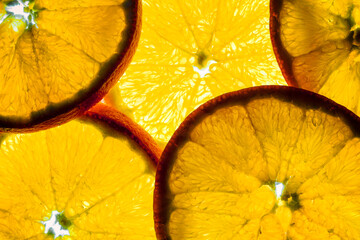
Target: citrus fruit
(60,58)
(91,178)
(189,52)
(317,46)
(269,162)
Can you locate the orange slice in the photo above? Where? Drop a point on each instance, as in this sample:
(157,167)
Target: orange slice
(60,58)
(317,46)
(91,178)
(262,163)
(189,52)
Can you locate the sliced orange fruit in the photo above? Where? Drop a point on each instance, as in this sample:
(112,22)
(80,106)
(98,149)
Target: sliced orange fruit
(268,162)
(317,46)
(60,58)
(189,52)
(91,178)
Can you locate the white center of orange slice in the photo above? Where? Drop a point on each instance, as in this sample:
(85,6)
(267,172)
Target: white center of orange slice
(23,11)
(279,188)
(203,63)
(54,225)
(202,71)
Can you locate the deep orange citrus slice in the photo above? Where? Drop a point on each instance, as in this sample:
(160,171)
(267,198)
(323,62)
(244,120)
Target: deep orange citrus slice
(91,178)
(317,46)
(262,163)
(191,51)
(58,58)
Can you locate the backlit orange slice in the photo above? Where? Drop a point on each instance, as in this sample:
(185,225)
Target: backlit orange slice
(58,58)
(91,178)
(317,45)
(262,163)
(191,51)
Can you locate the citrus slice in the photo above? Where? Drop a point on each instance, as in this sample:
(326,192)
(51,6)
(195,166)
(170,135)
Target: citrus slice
(57,59)
(87,179)
(189,52)
(317,46)
(268,162)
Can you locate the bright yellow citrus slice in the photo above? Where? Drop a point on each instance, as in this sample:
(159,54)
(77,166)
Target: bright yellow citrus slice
(317,46)
(58,58)
(262,163)
(191,51)
(87,179)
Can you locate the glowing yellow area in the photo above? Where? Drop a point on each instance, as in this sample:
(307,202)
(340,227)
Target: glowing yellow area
(60,57)
(325,44)
(225,178)
(104,193)
(179,38)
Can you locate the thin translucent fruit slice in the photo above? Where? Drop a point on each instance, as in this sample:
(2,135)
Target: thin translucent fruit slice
(189,52)
(261,163)
(317,45)
(59,59)
(91,178)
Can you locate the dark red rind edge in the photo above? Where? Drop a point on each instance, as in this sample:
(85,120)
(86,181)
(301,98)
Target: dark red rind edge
(66,113)
(283,58)
(297,96)
(115,121)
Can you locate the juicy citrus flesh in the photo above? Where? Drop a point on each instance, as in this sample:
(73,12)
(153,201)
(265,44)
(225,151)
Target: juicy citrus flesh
(322,37)
(222,181)
(103,184)
(190,52)
(60,59)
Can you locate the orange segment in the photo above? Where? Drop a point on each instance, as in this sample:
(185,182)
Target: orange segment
(262,163)
(191,51)
(98,172)
(317,46)
(104,36)
(68,4)
(68,56)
